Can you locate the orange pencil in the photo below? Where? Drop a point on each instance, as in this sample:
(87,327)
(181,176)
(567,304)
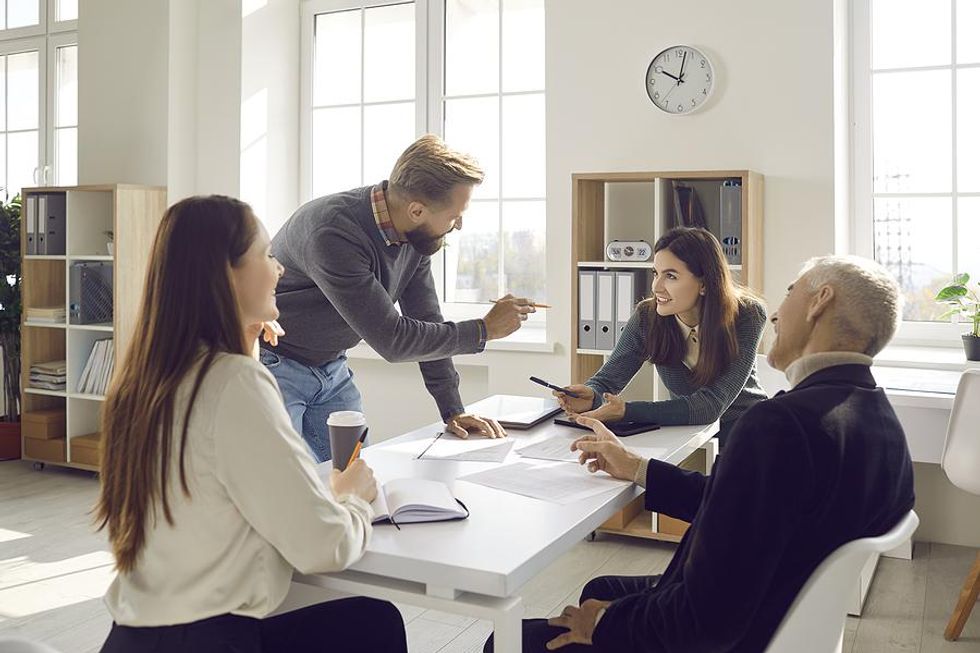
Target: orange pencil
(357,448)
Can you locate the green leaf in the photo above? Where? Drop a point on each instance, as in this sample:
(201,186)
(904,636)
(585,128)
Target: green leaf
(951,292)
(961,279)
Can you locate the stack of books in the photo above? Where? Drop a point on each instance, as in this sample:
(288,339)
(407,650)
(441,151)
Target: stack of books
(49,376)
(46,314)
(98,370)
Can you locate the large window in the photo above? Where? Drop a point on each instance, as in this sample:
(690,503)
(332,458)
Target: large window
(916,94)
(376,77)
(38,93)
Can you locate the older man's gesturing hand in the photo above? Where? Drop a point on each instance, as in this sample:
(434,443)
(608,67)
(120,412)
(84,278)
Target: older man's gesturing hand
(603,451)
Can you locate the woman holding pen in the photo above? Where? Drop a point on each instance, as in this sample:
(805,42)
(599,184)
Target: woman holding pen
(700,329)
(209,495)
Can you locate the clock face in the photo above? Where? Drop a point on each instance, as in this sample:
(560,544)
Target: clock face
(680,79)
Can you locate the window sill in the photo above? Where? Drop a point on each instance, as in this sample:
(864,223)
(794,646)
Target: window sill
(925,358)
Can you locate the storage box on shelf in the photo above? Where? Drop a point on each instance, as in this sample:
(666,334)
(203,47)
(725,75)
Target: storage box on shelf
(635,206)
(84,251)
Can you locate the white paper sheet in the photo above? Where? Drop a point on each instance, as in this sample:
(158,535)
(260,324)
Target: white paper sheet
(557,448)
(555,482)
(484,451)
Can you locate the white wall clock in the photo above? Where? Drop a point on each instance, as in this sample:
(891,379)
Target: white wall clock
(680,80)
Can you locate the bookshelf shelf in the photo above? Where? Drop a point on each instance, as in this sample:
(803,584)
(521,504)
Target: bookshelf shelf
(45,325)
(107,328)
(92,257)
(87,397)
(88,213)
(45,393)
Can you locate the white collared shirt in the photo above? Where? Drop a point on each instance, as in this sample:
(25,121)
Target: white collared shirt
(691,339)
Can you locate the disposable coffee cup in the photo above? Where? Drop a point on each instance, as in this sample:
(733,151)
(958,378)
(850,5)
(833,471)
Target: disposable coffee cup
(345,428)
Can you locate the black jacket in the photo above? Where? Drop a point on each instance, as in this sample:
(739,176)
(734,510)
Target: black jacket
(802,474)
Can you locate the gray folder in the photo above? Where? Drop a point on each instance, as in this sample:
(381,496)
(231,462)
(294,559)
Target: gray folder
(54,225)
(40,235)
(586,309)
(731,222)
(605,309)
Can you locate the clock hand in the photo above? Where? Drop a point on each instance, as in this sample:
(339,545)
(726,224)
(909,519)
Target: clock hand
(669,92)
(683,61)
(677,79)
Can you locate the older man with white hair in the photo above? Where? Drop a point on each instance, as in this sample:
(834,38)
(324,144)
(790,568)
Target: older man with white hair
(803,473)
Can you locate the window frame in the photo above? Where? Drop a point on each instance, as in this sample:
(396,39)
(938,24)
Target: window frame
(429,114)
(910,333)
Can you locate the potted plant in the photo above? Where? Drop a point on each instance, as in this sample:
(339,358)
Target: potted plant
(10,309)
(964,302)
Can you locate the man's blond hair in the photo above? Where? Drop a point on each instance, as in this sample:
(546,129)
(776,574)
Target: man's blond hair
(428,170)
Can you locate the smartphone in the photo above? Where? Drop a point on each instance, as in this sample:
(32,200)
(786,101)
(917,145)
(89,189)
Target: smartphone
(535,379)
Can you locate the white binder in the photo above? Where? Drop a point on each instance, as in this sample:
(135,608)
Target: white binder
(586,309)
(31,224)
(629,291)
(605,337)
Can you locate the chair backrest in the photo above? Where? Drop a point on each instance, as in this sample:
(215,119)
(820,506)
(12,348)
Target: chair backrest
(771,379)
(18,645)
(961,455)
(815,621)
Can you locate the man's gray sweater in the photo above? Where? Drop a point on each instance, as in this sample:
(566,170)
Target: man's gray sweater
(341,284)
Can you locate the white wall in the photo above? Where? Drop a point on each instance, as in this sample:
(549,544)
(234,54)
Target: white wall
(122,91)
(270,120)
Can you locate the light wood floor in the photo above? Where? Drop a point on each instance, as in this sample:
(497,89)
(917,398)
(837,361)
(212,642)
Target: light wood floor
(54,570)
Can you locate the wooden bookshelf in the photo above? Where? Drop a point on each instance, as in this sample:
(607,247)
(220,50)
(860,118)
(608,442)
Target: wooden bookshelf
(132,213)
(639,206)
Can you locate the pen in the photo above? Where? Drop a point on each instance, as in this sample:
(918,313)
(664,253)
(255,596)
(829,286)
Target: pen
(438,435)
(357,448)
(494,301)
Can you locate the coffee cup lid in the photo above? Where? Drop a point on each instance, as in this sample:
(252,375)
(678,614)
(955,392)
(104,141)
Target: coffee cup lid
(346,418)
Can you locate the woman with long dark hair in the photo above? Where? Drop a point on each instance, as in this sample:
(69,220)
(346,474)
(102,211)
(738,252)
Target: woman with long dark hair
(209,496)
(700,329)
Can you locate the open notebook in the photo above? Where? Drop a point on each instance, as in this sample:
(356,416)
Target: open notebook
(412,500)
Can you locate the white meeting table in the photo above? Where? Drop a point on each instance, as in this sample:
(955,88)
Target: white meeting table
(476,566)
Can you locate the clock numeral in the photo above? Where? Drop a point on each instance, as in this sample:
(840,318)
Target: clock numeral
(653,82)
(656,95)
(694,102)
(704,91)
(707,78)
(702,63)
(680,107)
(679,53)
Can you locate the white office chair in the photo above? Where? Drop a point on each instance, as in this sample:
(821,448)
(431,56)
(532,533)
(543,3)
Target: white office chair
(815,621)
(961,462)
(17,645)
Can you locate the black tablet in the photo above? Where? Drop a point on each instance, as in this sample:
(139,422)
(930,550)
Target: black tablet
(622,429)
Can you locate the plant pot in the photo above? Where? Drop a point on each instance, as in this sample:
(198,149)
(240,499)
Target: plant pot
(971,345)
(9,440)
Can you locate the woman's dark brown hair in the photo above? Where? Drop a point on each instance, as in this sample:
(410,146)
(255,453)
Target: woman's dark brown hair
(189,314)
(664,343)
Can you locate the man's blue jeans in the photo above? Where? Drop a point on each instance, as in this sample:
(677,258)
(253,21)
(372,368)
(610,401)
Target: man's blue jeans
(311,394)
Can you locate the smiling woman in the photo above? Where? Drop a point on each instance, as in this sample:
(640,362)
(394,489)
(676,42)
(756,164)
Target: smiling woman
(700,329)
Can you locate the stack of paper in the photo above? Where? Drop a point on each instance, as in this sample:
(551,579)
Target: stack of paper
(98,370)
(46,314)
(49,376)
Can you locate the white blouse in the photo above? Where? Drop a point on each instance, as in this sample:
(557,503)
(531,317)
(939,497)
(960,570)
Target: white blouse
(256,511)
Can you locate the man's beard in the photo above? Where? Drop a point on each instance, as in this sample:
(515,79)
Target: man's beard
(423,241)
